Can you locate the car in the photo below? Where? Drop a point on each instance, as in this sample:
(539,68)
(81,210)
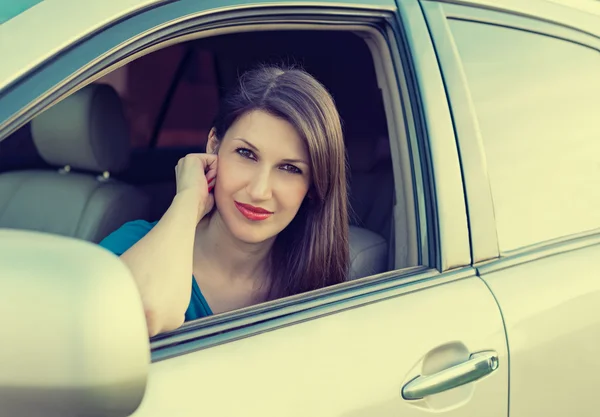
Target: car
(473,144)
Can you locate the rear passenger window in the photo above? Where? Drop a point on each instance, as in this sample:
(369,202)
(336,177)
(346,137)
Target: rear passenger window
(170,96)
(537,99)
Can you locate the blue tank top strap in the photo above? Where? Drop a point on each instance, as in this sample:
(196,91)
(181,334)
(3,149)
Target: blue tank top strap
(128,235)
(198,306)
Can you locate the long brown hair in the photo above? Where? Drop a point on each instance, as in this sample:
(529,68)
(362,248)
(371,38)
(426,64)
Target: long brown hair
(313,250)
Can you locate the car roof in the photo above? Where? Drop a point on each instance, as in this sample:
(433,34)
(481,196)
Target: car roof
(50,26)
(583,15)
(587,6)
(57,24)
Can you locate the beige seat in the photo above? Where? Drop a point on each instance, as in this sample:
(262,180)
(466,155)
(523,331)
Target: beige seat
(86,138)
(371,198)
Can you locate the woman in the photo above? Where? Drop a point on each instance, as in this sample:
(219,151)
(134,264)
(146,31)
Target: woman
(261,215)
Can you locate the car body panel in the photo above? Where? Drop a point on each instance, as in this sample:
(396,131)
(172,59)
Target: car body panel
(482,220)
(441,146)
(477,191)
(549,293)
(350,363)
(49,17)
(581,15)
(85,18)
(551,308)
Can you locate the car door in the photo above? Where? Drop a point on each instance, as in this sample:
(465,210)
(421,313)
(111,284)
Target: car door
(411,342)
(526,112)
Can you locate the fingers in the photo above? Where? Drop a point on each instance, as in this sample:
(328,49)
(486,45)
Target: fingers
(210,165)
(208,161)
(212,172)
(211,184)
(197,172)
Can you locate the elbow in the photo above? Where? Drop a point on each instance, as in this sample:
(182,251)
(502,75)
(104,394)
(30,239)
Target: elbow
(159,323)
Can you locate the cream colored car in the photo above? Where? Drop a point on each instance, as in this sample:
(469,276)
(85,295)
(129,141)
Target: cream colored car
(473,139)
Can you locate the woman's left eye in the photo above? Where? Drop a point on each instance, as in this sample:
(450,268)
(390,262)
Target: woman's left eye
(291,169)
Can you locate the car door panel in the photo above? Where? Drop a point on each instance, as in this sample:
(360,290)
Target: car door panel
(354,360)
(352,363)
(551,306)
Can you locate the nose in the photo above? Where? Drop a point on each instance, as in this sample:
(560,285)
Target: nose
(259,187)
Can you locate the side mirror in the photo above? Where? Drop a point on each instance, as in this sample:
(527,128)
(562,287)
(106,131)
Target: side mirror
(73,333)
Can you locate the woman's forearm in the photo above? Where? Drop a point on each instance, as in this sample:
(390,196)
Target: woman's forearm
(161,264)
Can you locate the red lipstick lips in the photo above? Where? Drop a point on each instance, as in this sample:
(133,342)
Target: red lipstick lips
(253,213)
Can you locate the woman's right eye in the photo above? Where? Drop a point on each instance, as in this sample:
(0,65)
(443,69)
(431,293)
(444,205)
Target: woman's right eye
(246,153)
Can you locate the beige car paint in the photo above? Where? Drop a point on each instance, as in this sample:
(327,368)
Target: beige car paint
(551,307)
(350,364)
(48,19)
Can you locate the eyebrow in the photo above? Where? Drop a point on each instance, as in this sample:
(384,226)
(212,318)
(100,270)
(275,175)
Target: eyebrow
(288,161)
(295,161)
(251,146)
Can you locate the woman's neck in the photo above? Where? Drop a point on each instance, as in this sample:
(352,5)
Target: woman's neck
(232,258)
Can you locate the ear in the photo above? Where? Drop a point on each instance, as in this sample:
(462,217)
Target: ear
(212,146)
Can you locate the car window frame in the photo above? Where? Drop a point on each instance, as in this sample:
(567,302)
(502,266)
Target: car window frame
(482,223)
(77,66)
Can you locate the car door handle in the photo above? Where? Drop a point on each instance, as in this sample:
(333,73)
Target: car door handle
(478,365)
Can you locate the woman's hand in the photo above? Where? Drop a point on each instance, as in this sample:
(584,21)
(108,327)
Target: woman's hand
(195,174)
(162,261)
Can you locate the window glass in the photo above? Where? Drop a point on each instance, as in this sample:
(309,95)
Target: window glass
(144,84)
(537,100)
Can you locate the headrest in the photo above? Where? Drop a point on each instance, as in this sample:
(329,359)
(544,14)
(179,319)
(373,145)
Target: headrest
(86,130)
(365,153)
(365,125)
(362,154)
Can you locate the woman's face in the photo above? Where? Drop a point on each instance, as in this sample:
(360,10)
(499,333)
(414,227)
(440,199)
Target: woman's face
(263,175)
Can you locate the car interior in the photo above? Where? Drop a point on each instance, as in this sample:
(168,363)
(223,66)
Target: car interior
(105,154)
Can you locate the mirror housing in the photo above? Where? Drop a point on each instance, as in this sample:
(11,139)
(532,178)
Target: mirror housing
(74,337)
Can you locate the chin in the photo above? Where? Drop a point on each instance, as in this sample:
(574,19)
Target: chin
(251,233)
(247,231)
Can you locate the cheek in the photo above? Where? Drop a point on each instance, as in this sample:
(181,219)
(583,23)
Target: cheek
(230,175)
(291,193)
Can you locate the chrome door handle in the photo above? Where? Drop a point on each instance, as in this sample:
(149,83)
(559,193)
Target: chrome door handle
(478,365)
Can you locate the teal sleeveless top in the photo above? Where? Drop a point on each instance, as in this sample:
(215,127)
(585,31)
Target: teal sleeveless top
(127,235)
